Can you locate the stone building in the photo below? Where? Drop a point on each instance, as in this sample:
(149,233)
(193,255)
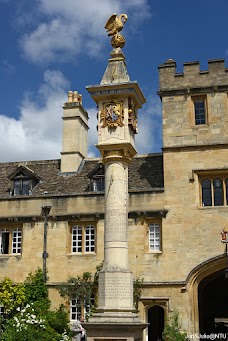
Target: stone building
(177,205)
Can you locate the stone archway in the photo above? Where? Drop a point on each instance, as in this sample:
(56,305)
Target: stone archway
(198,284)
(213,303)
(156,316)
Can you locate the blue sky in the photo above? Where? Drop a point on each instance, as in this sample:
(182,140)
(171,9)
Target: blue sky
(51,46)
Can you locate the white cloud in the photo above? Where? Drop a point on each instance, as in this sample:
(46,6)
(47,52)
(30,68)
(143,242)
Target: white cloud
(61,30)
(37,133)
(149,138)
(73,26)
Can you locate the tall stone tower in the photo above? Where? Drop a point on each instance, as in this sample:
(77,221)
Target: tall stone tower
(118,100)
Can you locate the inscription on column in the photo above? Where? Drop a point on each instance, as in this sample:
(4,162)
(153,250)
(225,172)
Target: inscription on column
(113,287)
(116,225)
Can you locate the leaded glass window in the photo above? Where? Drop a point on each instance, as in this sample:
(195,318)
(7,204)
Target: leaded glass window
(154,237)
(200,111)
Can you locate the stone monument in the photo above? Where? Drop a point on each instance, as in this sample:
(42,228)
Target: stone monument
(118,100)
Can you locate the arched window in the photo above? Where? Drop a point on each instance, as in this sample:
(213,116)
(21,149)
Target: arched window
(206,192)
(218,192)
(200,111)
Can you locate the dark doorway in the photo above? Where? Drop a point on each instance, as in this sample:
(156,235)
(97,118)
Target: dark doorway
(213,303)
(156,320)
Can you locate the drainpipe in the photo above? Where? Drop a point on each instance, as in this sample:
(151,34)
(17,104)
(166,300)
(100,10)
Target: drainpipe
(45,210)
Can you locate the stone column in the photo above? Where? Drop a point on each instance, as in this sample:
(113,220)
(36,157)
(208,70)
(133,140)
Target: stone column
(118,100)
(115,317)
(115,281)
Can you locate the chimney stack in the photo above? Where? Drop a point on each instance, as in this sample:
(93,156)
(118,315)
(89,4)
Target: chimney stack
(75,133)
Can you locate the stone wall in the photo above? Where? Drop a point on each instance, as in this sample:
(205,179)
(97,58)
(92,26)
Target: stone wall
(179,129)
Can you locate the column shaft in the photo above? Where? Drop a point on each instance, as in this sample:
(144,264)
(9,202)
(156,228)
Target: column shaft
(115,279)
(116,215)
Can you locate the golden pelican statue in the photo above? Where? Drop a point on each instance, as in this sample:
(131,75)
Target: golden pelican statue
(115,24)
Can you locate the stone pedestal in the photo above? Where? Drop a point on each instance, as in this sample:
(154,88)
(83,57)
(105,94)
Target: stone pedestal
(110,331)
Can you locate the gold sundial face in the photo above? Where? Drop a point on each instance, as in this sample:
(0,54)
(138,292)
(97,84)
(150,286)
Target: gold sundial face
(112,114)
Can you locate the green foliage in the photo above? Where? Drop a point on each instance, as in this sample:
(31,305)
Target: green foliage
(79,288)
(11,295)
(172,330)
(32,333)
(28,325)
(31,318)
(36,291)
(137,292)
(58,320)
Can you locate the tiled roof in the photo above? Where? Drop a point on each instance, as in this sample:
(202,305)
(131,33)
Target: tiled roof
(145,173)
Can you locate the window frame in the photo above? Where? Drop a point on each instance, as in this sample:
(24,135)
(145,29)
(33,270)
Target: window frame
(14,241)
(98,183)
(212,177)
(22,179)
(150,223)
(81,311)
(85,242)
(76,306)
(194,100)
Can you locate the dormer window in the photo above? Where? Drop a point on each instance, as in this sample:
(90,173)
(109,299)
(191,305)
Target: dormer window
(21,186)
(98,183)
(23,181)
(97,179)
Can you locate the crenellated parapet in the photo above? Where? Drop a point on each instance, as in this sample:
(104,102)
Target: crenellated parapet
(192,79)
(195,105)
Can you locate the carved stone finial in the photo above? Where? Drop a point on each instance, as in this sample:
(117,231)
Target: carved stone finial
(113,26)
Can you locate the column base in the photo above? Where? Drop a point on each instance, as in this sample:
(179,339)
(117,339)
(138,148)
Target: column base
(122,326)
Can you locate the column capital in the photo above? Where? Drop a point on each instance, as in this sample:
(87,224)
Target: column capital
(119,152)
